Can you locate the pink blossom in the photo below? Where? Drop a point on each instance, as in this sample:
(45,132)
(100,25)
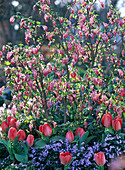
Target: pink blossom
(1,54)
(102,4)
(54,23)
(12,19)
(18,124)
(54,124)
(9,54)
(105,25)
(45,28)
(94,96)
(109,34)
(120,73)
(49,104)
(34,74)
(61,20)
(14,111)
(1,90)
(46,17)
(45,72)
(30,126)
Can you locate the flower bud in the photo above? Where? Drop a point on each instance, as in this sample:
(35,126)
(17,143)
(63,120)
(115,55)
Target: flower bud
(30,140)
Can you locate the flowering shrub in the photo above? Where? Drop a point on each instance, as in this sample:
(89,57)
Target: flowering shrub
(52,91)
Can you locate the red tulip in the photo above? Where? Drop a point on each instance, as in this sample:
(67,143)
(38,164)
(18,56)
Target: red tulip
(80,131)
(45,129)
(70,136)
(117,123)
(30,140)
(13,123)
(100,158)
(12,133)
(9,119)
(41,128)
(107,120)
(21,134)
(4,126)
(65,158)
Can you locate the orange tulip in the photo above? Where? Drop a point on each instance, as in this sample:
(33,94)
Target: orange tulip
(30,140)
(21,134)
(70,136)
(80,131)
(65,158)
(117,123)
(4,126)
(12,133)
(107,120)
(100,158)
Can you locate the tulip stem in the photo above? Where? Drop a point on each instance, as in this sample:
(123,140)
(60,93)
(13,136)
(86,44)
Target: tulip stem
(101,168)
(65,167)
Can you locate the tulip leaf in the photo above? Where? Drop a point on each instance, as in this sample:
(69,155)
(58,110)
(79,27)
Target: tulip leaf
(84,137)
(4,142)
(25,146)
(57,138)
(40,144)
(22,158)
(15,140)
(40,133)
(10,150)
(66,167)
(89,139)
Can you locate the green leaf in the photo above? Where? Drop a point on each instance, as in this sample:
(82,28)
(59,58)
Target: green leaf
(66,167)
(40,144)
(84,137)
(40,133)
(22,157)
(4,142)
(89,139)
(10,150)
(25,146)
(57,138)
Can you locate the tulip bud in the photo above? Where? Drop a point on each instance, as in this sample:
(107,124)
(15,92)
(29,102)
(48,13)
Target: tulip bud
(79,131)
(4,126)
(30,126)
(54,124)
(100,158)
(107,120)
(65,158)
(12,133)
(30,140)
(117,123)
(70,136)
(45,129)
